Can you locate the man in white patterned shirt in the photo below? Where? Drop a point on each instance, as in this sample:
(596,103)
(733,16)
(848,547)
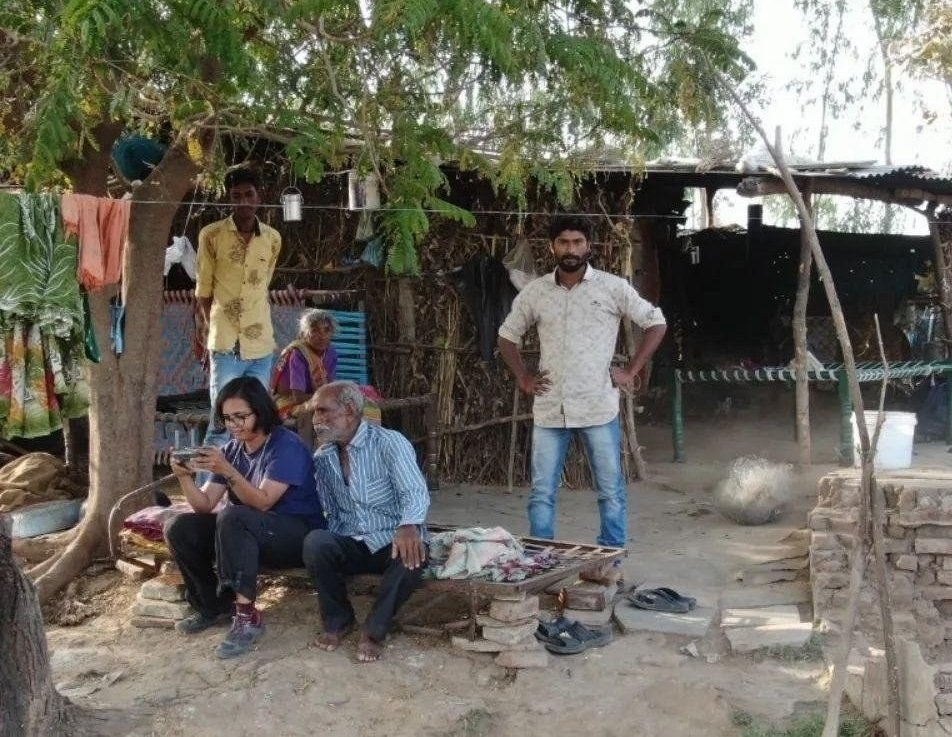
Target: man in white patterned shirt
(577,310)
(376,500)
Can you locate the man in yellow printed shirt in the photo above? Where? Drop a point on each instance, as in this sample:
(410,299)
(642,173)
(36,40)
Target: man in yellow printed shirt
(236,260)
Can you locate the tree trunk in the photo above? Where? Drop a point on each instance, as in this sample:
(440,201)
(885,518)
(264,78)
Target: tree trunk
(123,388)
(800,347)
(29,704)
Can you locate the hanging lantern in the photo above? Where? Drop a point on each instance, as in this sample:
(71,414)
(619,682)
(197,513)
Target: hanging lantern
(363,191)
(291,202)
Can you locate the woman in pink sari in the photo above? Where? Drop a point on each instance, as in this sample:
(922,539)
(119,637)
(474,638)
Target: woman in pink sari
(305,365)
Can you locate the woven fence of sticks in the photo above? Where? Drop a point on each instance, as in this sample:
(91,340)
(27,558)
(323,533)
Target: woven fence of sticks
(422,335)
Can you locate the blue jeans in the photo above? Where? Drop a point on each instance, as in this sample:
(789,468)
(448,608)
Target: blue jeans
(225,366)
(603,447)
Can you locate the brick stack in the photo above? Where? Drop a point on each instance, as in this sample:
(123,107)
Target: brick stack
(590,602)
(161,602)
(509,631)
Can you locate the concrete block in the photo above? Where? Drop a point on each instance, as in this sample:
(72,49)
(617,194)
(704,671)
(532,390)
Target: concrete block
(590,595)
(522,659)
(174,610)
(755,617)
(168,587)
(907,562)
(694,623)
(747,639)
(947,562)
(589,617)
(510,634)
(514,611)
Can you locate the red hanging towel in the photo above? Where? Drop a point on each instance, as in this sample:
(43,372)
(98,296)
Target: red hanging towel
(102,225)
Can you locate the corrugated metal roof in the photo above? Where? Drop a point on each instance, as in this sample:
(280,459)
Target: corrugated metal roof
(862,172)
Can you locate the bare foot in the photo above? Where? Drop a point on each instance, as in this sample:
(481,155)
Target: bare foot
(368,649)
(330,641)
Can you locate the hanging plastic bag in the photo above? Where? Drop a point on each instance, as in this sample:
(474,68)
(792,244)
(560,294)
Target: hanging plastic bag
(520,263)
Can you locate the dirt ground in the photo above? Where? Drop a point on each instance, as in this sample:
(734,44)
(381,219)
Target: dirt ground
(641,684)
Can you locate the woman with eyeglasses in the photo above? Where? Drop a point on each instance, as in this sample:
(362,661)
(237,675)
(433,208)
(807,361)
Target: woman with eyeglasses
(264,478)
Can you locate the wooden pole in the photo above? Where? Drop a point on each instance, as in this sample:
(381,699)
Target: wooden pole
(513,428)
(943,274)
(800,346)
(868,489)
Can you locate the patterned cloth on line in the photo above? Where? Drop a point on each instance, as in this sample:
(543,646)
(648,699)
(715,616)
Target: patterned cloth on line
(41,320)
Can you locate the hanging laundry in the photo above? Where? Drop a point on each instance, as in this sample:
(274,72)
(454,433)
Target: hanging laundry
(102,225)
(41,319)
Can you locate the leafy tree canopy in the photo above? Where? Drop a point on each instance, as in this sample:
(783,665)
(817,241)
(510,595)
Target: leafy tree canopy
(514,88)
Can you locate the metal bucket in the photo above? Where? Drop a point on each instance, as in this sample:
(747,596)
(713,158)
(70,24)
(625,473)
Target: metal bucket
(291,202)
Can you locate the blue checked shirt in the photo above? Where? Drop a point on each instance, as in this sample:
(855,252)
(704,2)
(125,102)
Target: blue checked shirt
(386,487)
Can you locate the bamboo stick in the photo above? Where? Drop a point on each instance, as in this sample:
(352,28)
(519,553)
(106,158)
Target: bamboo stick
(800,346)
(868,485)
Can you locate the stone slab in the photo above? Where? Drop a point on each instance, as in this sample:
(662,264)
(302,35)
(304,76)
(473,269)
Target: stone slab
(796,592)
(132,571)
(589,617)
(935,545)
(754,577)
(522,659)
(163,609)
(907,562)
(590,595)
(167,587)
(510,596)
(692,624)
(748,639)
(152,622)
(484,620)
(758,616)
(510,635)
(514,611)
(487,646)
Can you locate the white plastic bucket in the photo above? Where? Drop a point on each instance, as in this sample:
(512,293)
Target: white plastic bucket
(895,439)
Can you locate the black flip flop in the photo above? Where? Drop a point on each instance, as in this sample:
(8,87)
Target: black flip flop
(658,601)
(557,639)
(690,600)
(591,637)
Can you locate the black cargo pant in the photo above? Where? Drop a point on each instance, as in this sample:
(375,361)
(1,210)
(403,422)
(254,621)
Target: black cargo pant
(236,540)
(330,558)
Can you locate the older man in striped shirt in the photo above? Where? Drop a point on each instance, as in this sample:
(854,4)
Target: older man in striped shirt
(376,501)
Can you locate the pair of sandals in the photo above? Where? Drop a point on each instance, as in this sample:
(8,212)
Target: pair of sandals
(662,599)
(563,636)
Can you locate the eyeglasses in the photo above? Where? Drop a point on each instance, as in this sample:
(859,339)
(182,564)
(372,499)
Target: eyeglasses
(236,419)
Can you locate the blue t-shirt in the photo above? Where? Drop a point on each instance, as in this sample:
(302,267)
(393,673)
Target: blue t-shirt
(285,459)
